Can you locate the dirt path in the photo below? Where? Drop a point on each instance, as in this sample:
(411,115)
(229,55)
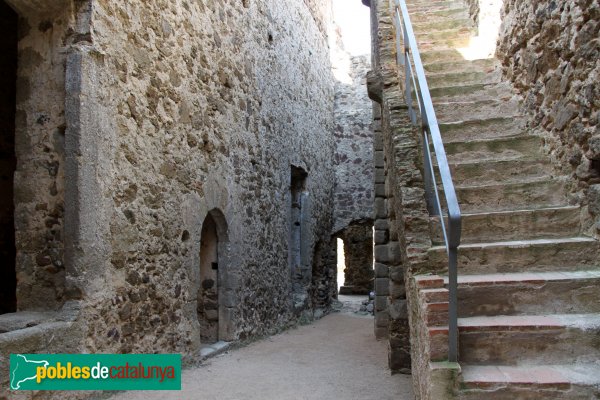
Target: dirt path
(335,358)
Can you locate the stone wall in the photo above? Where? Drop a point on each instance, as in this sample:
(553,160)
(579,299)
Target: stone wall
(320,11)
(44,40)
(402,233)
(208,105)
(354,142)
(549,50)
(136,120)
(324,277)
(358,256)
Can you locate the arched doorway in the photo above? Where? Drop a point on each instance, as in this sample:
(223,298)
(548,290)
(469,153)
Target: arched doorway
(212,254)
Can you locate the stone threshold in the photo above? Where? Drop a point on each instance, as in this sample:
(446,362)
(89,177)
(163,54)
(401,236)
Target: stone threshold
(211,350)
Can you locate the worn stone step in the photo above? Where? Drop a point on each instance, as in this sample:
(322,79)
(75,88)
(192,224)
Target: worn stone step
(534,193)
(444,79)
(457,90)
(482,128)
(498,171)
(535,255)
(515,225)
(438,14)
(444,39)
(529,339)
(433,25)
(472,93)
(441,55)
(485,65)
(456,111)
(531,382)
(496,148)
(433,5)
(529,293)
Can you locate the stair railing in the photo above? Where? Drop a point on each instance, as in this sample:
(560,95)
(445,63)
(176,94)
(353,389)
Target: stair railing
(408,56)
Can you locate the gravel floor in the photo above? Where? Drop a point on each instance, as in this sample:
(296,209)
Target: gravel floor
(335,358)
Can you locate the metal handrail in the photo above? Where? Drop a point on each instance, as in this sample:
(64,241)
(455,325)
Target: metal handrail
(409,56)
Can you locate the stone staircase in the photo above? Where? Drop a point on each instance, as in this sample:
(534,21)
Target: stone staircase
(529,280)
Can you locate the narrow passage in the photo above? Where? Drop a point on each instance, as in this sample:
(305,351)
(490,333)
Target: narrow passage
(337,357)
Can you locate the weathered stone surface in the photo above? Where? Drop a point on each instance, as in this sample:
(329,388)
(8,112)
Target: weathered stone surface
(549,53)
(358,256)
(129,134)
(353,158)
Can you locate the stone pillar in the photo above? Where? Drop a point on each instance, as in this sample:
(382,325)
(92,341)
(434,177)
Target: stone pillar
(382,232)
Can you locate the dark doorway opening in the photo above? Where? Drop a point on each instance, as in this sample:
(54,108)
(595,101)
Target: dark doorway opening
(8,160)
(298,194)
(208,304)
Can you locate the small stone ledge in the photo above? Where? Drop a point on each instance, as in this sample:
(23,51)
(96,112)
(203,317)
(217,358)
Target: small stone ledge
(211,350)
(27,319)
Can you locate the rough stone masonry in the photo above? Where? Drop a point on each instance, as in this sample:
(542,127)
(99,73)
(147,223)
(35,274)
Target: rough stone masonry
(147,131)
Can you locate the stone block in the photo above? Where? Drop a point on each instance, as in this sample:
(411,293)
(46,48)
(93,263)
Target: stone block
(381,333)
(380,208)
(379,159)
(375,86)
(382,319)
(381,270)
(379,174)
(396,273)
(397,290)
(394,251)
(382,286)
(398,310)
(399,359)
(382,224)
(378,142)
(381,303)
(381,237)
(380,190)
(382,253)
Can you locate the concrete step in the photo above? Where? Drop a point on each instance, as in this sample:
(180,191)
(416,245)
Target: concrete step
(530,339)
(529,224)
(489,127)
(491,149)
(454,111)
(536,255)
(485,65)
(534,193)
(531,382)
(529,293)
